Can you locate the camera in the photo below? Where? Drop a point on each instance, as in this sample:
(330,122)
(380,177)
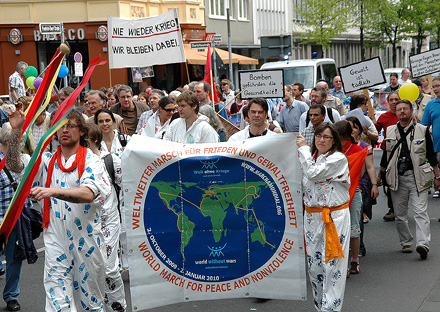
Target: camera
(402,165)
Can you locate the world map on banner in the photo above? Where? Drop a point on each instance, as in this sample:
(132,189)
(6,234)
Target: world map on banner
(199,226)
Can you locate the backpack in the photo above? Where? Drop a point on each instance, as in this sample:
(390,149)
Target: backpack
(108,161)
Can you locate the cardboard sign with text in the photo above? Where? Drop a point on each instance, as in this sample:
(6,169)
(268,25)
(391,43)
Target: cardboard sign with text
(425,63)
(362,75)
(262,83)
(152,40)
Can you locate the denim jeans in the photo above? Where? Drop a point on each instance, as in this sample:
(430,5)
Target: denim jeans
(13,269)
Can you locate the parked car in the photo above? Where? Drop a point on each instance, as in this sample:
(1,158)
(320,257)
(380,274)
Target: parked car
(307,72)
(388,73)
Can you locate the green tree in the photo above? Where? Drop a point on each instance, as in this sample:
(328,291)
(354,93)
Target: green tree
(321,20)
(387,25)
(435,18)
(418,17)
(361,19)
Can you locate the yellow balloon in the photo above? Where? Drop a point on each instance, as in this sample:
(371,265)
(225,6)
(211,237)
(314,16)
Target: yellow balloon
(409,91)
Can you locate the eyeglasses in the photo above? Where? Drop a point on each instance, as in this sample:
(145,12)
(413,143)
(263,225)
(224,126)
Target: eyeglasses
(403,109)
(325,137)
(69,127)
(169,110)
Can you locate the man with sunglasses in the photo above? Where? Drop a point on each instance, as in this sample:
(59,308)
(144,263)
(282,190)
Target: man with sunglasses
(157,125)
(73,184)
(228,94)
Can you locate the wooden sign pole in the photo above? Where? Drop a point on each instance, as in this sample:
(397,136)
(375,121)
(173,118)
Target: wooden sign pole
(370,106)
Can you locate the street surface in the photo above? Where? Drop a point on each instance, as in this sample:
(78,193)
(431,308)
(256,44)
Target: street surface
(388,281)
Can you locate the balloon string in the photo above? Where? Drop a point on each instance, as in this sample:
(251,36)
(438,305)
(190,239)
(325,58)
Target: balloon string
(44,70)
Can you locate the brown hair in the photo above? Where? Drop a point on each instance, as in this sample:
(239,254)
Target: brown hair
(95,134)
(336,147)
(190,98)
(344,129)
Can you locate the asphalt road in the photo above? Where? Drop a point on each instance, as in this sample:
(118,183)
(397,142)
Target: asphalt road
(388,281)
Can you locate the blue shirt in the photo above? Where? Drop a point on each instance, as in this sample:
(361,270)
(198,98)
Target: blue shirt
(289,116)
(339,94)
(223,113)
(431,117)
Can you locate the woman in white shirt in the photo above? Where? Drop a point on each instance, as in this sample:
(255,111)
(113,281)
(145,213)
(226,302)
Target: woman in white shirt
(326,183)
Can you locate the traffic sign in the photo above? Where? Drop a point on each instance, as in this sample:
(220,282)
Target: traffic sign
(51,28)
(199,44)
(213,37)
(78,57)
(78,69)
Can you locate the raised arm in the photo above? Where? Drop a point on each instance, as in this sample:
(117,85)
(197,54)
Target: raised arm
(13,161)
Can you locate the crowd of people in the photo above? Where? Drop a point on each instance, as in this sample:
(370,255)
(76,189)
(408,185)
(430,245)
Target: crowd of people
(79,182)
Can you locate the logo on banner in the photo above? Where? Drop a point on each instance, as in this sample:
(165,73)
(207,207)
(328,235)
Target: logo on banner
(228,210)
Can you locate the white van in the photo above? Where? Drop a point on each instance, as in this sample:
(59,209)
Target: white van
(307,72)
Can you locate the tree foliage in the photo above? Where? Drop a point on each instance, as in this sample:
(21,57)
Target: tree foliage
(388,25)
(322,20)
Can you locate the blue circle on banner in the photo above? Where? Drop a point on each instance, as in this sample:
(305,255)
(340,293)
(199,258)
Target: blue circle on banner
(220,220)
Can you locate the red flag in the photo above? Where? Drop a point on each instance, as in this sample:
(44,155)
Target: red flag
(208,77)
(355,162)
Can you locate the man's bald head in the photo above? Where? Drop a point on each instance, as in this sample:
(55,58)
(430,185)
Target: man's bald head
(323,85)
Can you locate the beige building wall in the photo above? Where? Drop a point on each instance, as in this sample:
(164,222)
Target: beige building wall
(18,11)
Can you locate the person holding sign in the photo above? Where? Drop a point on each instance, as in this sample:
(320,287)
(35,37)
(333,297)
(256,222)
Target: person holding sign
(326,183)
(431,117)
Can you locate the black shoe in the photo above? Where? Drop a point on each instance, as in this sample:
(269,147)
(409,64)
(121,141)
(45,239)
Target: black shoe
(13,305)
(2,272)
(423,252)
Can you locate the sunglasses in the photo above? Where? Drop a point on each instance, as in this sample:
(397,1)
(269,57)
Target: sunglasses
(169,110)
(224,84)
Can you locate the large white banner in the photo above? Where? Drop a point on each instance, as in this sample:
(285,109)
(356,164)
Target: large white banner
(213,221)
(145,41)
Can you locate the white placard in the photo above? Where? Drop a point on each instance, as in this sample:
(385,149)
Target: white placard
(213,221)
(425,63)
(152,40)
(78,69)
(362,75)
(262,83)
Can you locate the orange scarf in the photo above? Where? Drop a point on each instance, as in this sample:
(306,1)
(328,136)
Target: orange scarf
(333,248)
(80,162)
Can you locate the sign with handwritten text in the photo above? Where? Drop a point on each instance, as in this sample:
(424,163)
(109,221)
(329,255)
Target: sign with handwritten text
(425,63)
(262,83)
(362,75)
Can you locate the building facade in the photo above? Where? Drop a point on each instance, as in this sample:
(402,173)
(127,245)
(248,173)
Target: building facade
(85,29)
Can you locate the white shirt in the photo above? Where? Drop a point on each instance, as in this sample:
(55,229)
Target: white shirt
(199,132)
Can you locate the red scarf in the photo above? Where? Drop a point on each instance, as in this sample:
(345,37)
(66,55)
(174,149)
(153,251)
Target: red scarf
(80,162)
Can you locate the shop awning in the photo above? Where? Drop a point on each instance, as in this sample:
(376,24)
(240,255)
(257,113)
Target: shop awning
(194,57)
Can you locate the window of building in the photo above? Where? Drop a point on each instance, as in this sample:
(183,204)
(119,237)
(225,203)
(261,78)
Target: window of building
(218,8)
(242,9)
